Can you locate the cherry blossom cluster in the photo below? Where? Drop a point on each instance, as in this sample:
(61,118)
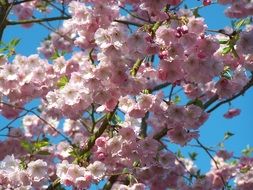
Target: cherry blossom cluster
(102,86)
(238,9)
(14,176)
(22,80)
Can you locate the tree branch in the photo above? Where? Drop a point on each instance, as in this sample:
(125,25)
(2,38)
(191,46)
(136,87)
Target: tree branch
(37,20)
(20,2)
(128,22)
(144,126)
(212,100)
(92,139)
(245,88)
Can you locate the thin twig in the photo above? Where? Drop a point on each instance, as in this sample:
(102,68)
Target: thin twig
(210,155)
(12,121)
(42,119)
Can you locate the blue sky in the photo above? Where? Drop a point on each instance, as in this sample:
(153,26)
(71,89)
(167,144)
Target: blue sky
(212,132)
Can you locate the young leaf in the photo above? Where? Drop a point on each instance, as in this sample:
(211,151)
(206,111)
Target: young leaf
(227,135)
(62,81)
(193,156)
(196,102)
(14,42)
(226,50)
(176,99)
(27,146)
(247,151)
(242,22)
(196,12)
(223,41)
(41,144)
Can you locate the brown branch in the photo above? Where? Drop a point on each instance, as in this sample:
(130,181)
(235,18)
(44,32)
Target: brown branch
(128,22)
(5,9)
(161,134)
(245,88)
(209,102)
(100,131)
(38,20)
(144,126)
(20,2)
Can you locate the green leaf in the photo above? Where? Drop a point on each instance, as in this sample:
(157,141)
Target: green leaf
(116,119)
(233,162)
(247,151)
(227,135)
(242,22)
(245,169)
(177,99)
(193,156)
(221,145)
(4,49)
(55,56)
(27,146)
(14,42)
(22,164)
(196,102)
(156,26)
(39,144)
(179,154)
(226,50)
(125,171)
(62,81)
(227,73)
(196,12)
(224,41)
